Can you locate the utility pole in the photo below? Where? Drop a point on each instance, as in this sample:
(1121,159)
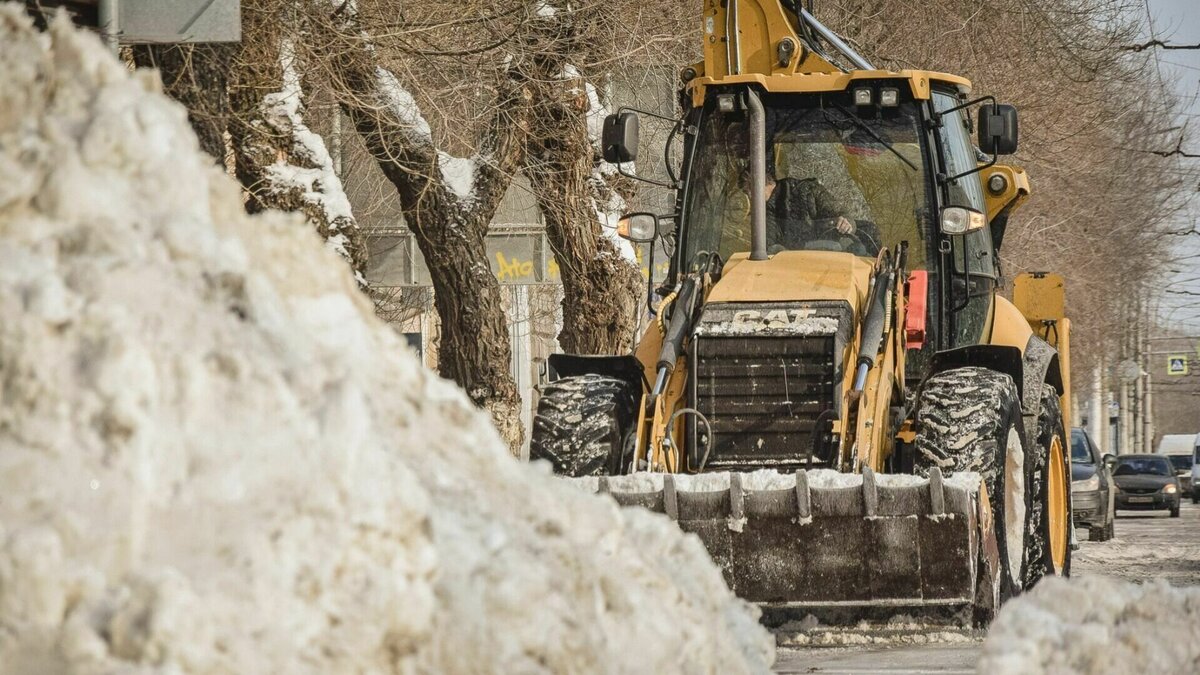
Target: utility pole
(1141,358)
(1145,381)
(1098,419)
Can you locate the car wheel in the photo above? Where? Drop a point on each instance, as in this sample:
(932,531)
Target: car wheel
(1175,511)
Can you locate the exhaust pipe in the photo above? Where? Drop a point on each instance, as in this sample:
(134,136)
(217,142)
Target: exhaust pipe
(758,176)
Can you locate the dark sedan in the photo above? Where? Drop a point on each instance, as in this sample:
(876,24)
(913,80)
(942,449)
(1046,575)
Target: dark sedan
(1091,487)
(1146,482)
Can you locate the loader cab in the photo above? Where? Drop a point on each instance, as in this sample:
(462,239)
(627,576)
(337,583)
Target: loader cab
(853,172)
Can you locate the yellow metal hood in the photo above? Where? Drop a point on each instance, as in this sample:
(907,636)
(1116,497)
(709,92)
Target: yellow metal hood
(795,276)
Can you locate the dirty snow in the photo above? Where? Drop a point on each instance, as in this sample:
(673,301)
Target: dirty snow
(811,326)
(318,184)
(403,106)
(458,173)
(767,479)
(1096,624)
(214,459)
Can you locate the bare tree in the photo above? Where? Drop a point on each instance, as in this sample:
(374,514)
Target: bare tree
(448,203)
(198,77)
(280,162)
(574,187)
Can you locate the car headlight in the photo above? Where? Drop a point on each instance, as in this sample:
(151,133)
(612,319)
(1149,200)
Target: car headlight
(1169,489)
(1087,485)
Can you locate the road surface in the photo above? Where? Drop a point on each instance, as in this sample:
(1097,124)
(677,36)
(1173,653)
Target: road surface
(1147,546)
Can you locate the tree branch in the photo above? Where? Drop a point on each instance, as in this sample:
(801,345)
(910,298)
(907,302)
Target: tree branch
(1156,43)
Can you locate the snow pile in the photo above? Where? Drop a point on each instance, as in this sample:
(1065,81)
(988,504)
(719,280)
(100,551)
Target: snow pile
(1096,625)
(213,459)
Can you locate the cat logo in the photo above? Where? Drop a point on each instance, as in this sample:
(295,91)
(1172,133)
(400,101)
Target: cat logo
(776,318)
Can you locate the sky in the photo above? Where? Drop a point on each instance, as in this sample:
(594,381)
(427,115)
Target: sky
(1178,22)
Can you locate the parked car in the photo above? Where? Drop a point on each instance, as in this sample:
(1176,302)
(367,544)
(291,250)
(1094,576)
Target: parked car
(1146,482)
(1091,488)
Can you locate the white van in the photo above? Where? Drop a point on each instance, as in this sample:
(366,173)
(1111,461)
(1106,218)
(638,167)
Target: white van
(1182,450)
(1195,486)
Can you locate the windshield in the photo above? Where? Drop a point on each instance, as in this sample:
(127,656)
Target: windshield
(1079,449)
(1154,466)
(835,181)
(1181,462)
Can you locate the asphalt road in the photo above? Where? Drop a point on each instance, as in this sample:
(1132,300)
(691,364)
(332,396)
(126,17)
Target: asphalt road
(1147,545)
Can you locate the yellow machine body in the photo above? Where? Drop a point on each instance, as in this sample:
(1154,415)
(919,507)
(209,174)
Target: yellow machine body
(921,542)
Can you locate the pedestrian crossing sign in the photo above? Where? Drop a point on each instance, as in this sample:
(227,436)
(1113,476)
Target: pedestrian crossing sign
(1177,364)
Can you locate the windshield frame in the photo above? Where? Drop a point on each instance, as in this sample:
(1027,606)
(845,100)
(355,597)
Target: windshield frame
(925,225)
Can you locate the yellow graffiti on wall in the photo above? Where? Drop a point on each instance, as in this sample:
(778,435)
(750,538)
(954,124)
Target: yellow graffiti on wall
(661,267)
(514,269)
(517,270)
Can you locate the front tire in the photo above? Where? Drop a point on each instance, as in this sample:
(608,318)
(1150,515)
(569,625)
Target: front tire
(969,419)
(582,424)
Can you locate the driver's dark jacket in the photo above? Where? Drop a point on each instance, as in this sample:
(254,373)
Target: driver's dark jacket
(800,210)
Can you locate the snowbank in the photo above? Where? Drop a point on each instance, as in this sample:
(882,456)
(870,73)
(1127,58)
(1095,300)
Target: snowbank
(1096,625)
(214,459)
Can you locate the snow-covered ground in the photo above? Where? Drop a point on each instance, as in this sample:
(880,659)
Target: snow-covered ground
(1133,605)
(215,459)
(1098,622)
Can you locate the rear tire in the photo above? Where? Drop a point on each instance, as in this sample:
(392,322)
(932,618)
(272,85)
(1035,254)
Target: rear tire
(969,419)
(582,424)
(1041,474)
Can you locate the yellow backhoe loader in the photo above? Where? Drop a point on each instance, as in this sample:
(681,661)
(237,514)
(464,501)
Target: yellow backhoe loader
(833,395)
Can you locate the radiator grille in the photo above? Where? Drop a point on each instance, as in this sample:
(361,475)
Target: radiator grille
(763,395)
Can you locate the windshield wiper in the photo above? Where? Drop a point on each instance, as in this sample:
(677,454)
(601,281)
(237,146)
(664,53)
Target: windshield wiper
(867,128)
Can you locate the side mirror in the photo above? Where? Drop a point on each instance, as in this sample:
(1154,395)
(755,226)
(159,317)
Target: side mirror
(639,228)
(961,220)
(1109,460)
(620,137)
(997,129)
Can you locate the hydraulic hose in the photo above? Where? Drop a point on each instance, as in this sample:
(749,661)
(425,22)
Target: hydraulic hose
(873,326)
(677,329)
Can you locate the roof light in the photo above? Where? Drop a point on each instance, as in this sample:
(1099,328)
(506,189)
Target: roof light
(862,96)
(889,97)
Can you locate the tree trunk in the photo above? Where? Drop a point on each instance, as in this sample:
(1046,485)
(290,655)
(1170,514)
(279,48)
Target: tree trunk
(280,162)
(450,227)
(600,283)
(198,77)
(600,286)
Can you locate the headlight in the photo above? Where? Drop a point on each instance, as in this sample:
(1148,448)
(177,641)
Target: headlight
(1087,485)
(1169,489)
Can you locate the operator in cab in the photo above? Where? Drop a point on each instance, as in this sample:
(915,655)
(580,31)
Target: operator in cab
(803,214)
